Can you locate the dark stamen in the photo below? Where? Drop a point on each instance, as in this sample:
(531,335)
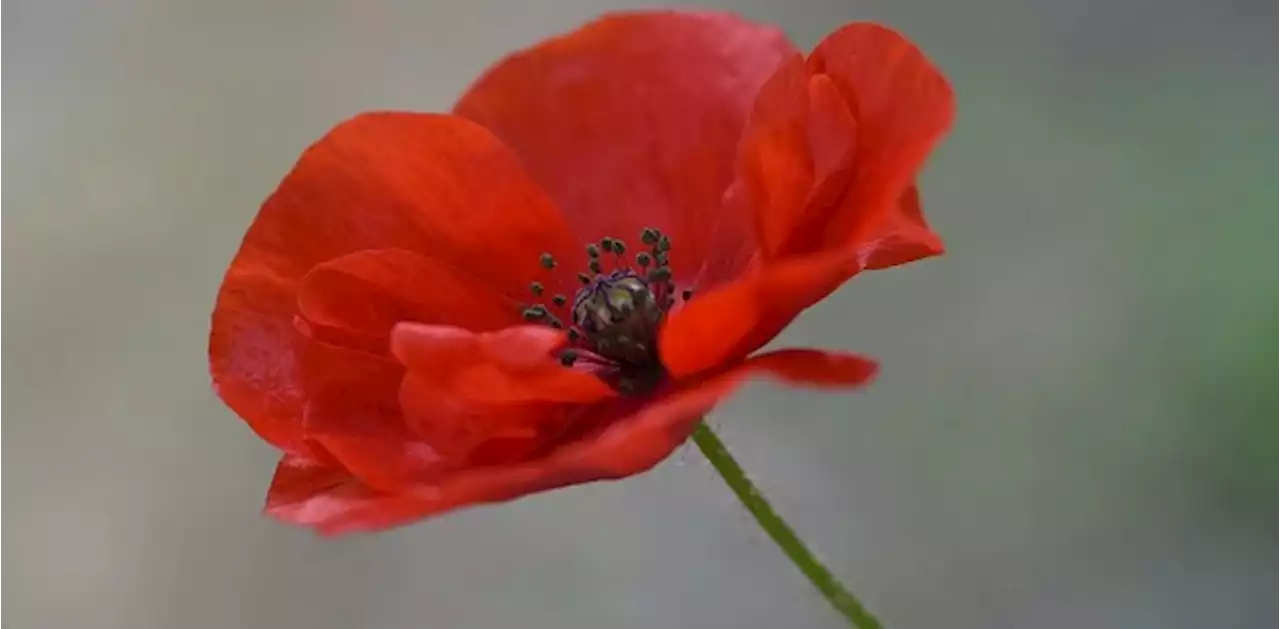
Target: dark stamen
(614,318)
(687,294)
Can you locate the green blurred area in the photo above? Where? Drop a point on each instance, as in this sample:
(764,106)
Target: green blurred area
(1220,356)
(1203,253)
(1232,433)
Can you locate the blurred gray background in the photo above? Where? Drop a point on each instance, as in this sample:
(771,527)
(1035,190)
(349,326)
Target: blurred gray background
(1074,426)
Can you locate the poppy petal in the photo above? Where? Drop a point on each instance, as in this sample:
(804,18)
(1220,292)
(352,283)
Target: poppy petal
(903,105)
(252,355)
(732,321)
(513,365)
(331,500)
(320,498)
(817,368)
(443,402)
(904,236)
(642,440)
(364,294)
(352,415)
(434,184)
(798,143)
(633,121)
(440,185)
(458,427)
(360,422)
(830,146)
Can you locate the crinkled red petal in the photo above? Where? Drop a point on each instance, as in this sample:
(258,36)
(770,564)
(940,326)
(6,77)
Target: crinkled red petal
(633,121)
(311,495)
(438,186)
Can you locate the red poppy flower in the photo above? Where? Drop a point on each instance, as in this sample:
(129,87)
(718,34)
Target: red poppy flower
(554,283)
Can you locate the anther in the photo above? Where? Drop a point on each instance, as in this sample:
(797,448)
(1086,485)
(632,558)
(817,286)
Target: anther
(547,260)
(616,315)
(687,294)
(534,313)
(536,288)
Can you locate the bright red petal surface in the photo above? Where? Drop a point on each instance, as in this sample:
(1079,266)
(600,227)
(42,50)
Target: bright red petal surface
(514,365)
(796,155)
(832,147)
(356,299)
(642,440)
(358,420)
(903,106)
(253,355)
(470,432)
(311,494)
(330,499)
(633,121)
(438,186)
(729,323)
(486,398)
(827,166)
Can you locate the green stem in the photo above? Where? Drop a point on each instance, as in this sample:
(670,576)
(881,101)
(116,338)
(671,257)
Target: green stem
(777,528)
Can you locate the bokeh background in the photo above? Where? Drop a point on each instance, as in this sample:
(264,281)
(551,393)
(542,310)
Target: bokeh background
(1075,425)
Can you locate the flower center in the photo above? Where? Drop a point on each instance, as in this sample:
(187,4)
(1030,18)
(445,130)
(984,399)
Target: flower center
(615,316)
